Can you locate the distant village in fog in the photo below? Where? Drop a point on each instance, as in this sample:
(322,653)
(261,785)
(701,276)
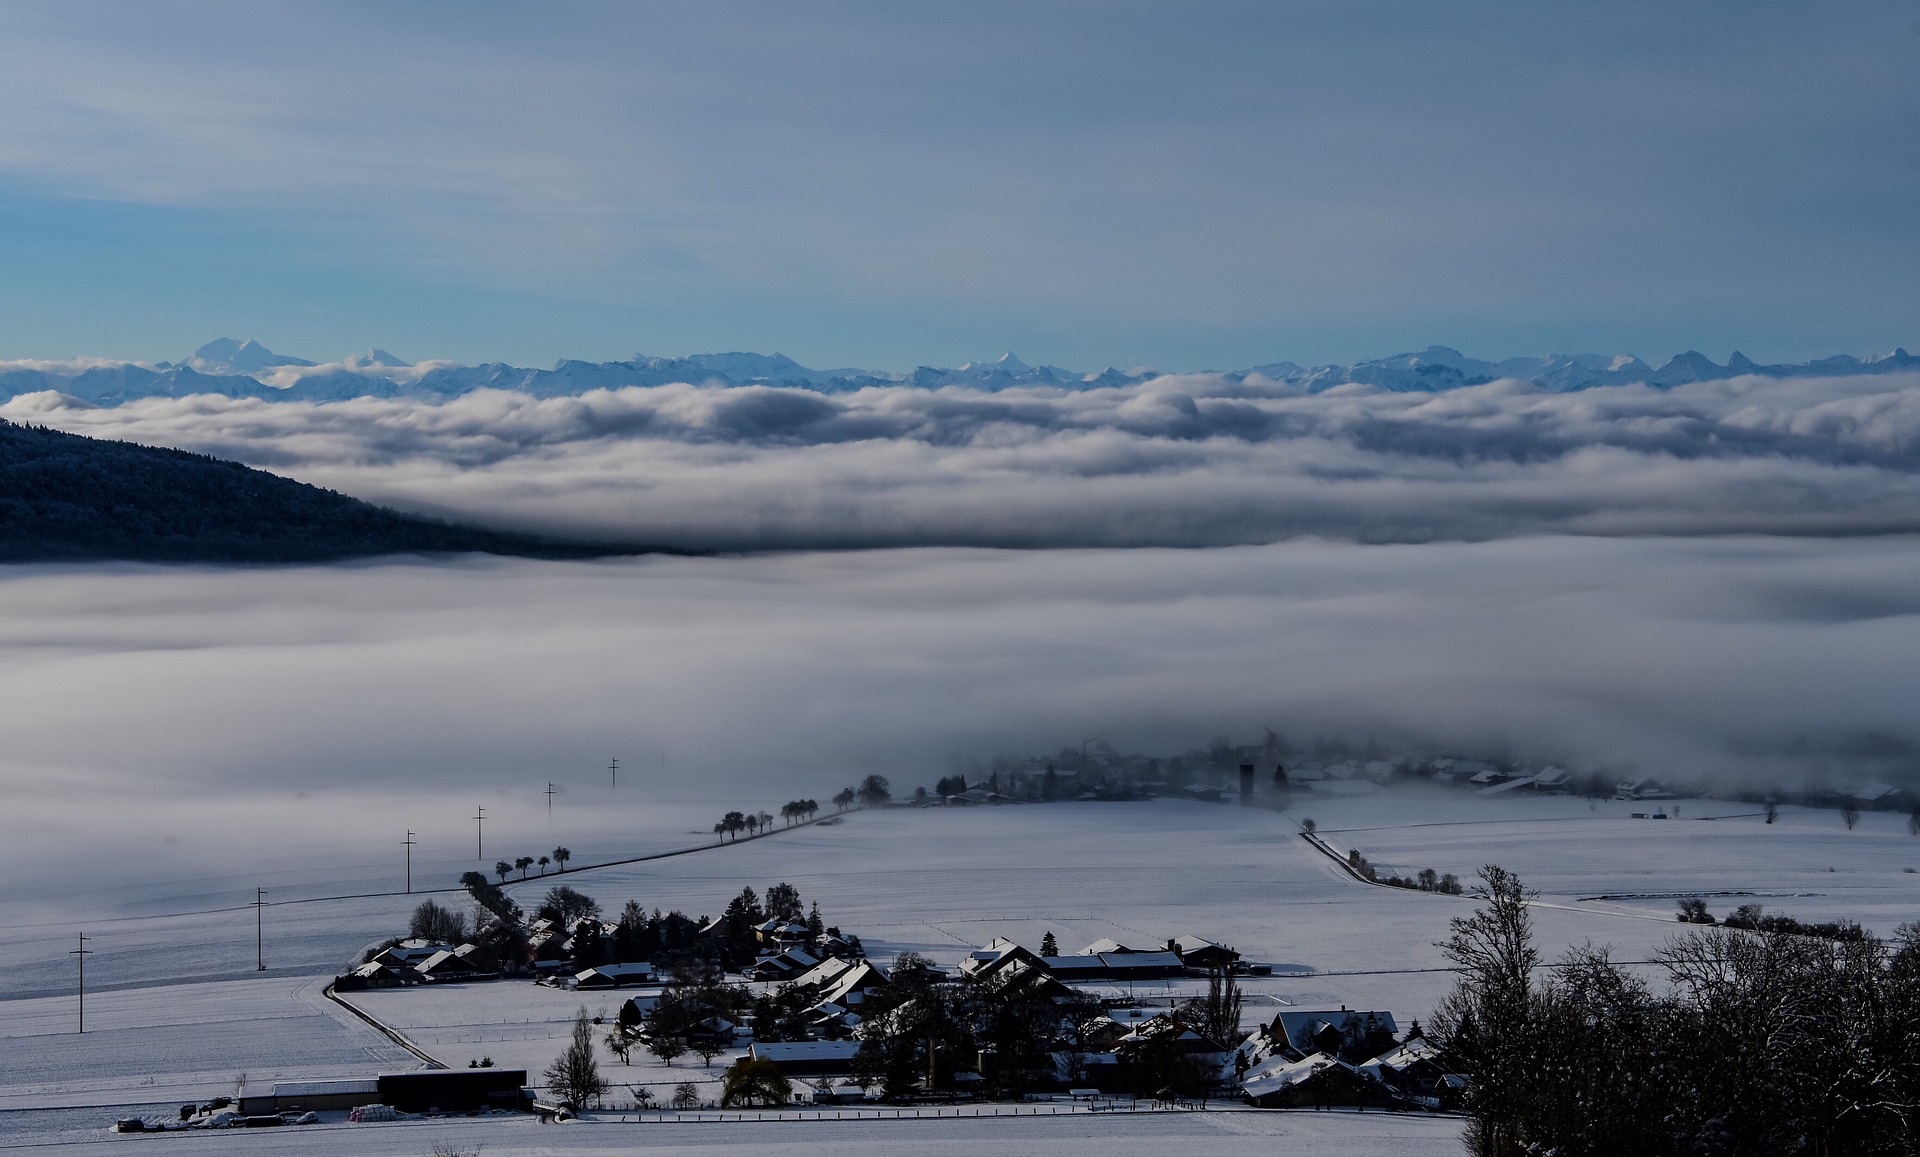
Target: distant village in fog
(1276,774)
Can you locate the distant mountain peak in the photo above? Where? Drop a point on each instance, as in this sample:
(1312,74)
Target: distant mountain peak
(227,356)
(377,359)
(1007,363)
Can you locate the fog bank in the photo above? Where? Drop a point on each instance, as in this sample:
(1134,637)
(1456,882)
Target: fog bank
(1186,460)
(217,708)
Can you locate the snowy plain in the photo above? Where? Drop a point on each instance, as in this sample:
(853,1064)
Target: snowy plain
(1228,1134)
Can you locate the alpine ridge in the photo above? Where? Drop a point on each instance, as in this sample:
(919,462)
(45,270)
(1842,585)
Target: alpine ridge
(251,370)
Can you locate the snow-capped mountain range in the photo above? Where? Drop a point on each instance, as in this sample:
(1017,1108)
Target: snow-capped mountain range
(249,369)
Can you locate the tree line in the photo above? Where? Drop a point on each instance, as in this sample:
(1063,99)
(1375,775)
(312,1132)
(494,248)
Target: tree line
(873,791)
(1426,880)
(1761,1041)
(505,868)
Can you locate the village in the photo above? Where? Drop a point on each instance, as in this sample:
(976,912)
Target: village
(1275,773)
(803,1017)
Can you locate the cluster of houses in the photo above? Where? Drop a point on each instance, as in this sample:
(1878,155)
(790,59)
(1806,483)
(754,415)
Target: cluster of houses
(1300,1058)
(415,961)
(1109,961)
(829,968)
(1314,1058)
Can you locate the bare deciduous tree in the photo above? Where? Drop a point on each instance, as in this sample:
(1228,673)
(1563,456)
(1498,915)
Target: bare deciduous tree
(575,1075)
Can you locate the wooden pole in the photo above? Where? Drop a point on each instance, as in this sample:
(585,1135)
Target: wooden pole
(80,955)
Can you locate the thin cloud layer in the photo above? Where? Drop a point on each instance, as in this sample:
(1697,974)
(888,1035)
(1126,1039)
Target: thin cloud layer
(159,716)
(1185,460)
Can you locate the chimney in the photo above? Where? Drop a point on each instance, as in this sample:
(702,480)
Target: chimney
(1246,783)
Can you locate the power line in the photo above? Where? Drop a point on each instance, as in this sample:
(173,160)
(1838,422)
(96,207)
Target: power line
(80,955)
(260,929)
(409,841)
(479,842)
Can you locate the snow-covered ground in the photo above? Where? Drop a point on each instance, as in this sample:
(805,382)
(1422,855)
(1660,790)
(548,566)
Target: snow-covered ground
(1225,1134)
(936,881)
(1806,864)
(181,1043)
(181,923)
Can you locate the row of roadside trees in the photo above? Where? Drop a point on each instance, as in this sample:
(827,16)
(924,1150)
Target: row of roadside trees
(505,868)
(872,791)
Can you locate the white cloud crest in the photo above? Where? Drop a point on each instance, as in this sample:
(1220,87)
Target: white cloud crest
(1182,460)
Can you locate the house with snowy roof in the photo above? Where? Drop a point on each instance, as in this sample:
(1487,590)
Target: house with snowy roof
(1641,787)
(615,976)
(784,966)
(1003,963)
(809,1058)
(1415,1068)
(1346,1031)
(1318,1079)
(407,953)
(781,933)
(1200,953)
(452,965)
(1553,781)
(1883,797)
(850,988)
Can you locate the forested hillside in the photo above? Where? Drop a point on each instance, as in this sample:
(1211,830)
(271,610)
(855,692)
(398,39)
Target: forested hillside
(64,496)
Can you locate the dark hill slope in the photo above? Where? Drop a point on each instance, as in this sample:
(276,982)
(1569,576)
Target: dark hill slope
(65,496)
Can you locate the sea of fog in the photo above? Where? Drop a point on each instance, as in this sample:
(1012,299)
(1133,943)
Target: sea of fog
(165,720)
(1179,460)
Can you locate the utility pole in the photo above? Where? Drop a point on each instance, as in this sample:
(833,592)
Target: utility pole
(479,842)
(409,841)
(80,955)
(613,773)
(260,929)
(549,804)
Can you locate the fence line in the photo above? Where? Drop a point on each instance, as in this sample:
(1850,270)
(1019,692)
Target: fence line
(909,1113)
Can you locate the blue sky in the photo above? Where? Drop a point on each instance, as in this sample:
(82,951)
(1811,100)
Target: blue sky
(1182,185)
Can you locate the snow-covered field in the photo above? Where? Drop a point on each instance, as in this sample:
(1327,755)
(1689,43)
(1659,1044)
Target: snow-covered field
(1226,1134)
(181,1043)
(939,881)
(1806,864)
(195,924)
